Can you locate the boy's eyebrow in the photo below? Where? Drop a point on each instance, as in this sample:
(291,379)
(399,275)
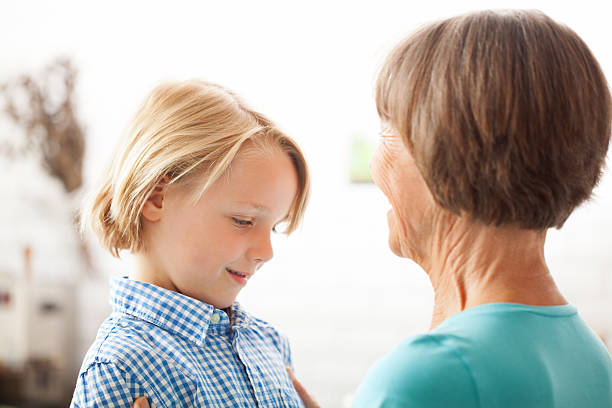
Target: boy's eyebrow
(254,205)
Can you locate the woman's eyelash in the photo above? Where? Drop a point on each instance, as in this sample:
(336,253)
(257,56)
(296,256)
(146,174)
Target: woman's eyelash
(241,222)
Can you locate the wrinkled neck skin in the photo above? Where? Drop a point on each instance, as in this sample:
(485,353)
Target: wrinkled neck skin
(470,264)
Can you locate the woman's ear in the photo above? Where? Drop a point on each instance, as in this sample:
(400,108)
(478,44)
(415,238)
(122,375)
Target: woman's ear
(154,206)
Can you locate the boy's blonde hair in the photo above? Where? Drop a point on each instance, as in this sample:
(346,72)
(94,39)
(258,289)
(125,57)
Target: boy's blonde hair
(184,132)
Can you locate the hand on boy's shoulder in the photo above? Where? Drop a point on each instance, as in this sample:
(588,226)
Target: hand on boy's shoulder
(141,402)
(308,401)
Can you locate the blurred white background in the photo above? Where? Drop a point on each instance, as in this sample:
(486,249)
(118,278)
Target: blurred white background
(333,287)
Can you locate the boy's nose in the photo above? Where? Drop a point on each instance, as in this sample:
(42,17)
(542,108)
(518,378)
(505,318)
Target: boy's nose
(261,250)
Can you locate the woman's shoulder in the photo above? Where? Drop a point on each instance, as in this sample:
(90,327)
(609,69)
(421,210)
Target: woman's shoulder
(430,355)
(424,371)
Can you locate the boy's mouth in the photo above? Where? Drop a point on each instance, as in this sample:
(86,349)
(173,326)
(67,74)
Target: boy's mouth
(244,275)
(241,277)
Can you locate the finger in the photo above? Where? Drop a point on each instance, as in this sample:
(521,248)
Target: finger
(141,402)
(308,401)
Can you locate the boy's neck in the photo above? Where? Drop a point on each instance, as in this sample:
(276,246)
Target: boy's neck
(145,271)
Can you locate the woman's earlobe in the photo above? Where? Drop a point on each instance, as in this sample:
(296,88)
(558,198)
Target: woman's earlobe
(153,207)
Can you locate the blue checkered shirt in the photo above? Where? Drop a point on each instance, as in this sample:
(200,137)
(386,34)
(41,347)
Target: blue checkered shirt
(180,352)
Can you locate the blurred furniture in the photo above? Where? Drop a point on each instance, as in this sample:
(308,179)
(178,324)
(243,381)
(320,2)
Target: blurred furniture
(37,336)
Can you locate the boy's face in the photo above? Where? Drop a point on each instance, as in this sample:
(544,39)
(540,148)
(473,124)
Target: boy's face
(208,251)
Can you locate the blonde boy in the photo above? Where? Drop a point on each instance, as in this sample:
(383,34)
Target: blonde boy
(194,191)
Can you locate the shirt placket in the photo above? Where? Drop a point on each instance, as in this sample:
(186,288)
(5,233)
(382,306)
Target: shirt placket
(264,396)
(221,328)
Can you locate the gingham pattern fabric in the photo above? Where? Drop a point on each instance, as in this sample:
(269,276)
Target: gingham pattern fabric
(180,352)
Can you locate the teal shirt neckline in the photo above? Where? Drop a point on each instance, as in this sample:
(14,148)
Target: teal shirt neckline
(495,355)
(566,310)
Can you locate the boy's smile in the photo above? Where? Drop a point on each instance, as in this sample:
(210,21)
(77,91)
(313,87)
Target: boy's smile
(238,276)
(209,251)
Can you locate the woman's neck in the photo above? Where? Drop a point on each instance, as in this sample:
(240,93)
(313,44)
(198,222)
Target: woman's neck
(471,264)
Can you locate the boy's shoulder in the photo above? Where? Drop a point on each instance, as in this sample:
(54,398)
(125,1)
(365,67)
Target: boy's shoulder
(265,328)
(128,342)
(261,324)
(131,357)
(268,334)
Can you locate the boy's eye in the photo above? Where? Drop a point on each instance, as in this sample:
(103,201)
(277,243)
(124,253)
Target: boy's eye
(241,222)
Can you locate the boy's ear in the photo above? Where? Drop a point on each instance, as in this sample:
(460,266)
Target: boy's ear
(154,206)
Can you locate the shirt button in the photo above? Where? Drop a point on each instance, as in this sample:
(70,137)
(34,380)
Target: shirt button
(214,318)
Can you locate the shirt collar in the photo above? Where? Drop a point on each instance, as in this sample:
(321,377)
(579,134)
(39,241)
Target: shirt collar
(172,311)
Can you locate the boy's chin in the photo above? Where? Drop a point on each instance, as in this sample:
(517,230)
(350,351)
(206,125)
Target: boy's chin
(218,302)
(221,303)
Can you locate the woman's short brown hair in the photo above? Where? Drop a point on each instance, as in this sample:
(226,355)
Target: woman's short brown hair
(507,114)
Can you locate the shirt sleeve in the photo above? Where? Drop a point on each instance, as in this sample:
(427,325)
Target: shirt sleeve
(285,350)
(420,373)
(105,385)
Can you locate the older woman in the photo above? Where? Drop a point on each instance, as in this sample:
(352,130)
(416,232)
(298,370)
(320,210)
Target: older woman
(495,128)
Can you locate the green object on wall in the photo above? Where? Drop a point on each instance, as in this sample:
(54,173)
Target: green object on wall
(361,152)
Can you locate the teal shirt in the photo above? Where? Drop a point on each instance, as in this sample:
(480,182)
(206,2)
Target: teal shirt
(499,355)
